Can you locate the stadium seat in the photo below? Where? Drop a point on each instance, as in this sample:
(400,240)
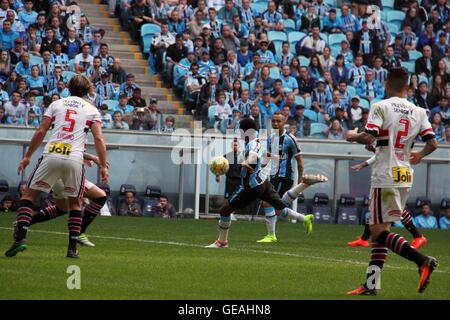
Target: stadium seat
(331,3)
(409,65)
(146,42)
(294,37)
(351,91)
(363,103)
(321,210)
(152,198)
(316,130)
(67,75)
(395,16)
(211,116)
(445,203)
(4,188)
(387,4)
(420,201)
(423,78)
(347,213)
(38,100)
(150,28)
(299,100)
(321,118)
(323,35)
(414,55)
(304,61)
(311,115)
(289,25)
(112,104)
(35,60)
(244,85)
(274,73)
(260,7)
(393,28)
(336,38)
(276,36)
(363,209)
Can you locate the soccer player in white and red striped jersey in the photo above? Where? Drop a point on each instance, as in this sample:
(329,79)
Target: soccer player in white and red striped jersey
(62,159)
(394,123)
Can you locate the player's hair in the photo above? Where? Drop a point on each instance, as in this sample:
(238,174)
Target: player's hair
(247,124)
(397,79)
(79,86)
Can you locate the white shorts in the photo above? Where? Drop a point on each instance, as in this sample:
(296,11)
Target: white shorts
(49,170)
(59,187)
(387,204)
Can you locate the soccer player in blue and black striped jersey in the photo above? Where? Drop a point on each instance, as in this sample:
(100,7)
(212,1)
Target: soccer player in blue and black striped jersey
(282,149)
(254,185)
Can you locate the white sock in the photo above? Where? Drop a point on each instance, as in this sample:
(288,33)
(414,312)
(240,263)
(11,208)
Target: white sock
(224,226)
(292,194)
(286,212)
(271,220)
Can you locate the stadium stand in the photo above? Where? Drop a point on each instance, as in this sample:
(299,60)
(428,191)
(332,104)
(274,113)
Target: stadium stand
(321,209)
(347,213)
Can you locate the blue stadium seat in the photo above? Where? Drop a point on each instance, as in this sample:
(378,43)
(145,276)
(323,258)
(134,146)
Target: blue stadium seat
(321,210)
(244,85)
(363,103)
(146,42)
(409,65)
(67,75)
(150,28)
(351,90)
(295,36)
(38,100)
(211,116)
(393,28)
(414,55)
(260,7)
(289,25)
(72,65)
(278,44)
(299,100)
(347,213)
(336,38)
(35,60)
(276,36)
(112,104)
(423,78)
(317,129)
(323,36)
(308,102)
(274,73)
(152,198)
(387,4)
(304,61)
(395,16)
(311,115)
(331,3)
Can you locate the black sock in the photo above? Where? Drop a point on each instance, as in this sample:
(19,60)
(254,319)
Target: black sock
(399,245)
(366,234)
(48,213)
(409,224)
(24,214)
(74,228)
(377,258)
(92,211)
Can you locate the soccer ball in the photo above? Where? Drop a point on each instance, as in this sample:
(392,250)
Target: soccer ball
(219,166)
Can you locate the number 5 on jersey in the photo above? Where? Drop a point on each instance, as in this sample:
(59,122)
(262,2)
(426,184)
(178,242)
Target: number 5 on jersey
(70,120)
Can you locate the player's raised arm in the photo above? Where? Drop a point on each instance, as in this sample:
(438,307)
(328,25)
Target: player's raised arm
(36,141)
(100,148)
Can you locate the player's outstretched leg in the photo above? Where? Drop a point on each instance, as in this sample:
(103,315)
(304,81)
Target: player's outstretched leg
(48,213)
(24,214)
(419,239)
(271,220)
(74,224)
(308,180)
(90,213)
(307,220)
(363,240)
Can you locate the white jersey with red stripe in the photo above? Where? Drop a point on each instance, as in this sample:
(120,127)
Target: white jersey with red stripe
(396,123)
(72,118)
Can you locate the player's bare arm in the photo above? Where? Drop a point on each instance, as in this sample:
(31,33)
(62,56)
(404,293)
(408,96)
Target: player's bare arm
(36,141)
(430,147)
(362,137)
(100,148)
(92,157)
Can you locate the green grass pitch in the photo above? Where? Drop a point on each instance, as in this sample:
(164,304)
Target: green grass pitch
(140,258)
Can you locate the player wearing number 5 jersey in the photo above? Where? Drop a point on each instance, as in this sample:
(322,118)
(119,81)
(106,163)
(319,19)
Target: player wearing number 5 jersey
(62,160)
(394,124)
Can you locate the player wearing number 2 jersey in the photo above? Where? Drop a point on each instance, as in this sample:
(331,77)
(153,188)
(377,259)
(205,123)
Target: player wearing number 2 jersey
(394,124)
(62,160)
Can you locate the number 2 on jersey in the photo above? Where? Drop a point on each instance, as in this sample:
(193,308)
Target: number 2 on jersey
(402,133)
(70,120)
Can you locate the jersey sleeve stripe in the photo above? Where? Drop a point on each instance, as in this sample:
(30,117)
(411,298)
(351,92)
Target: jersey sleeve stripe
(426,132)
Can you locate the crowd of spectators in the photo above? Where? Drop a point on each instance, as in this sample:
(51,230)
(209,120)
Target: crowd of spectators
(323,63)
(43,43)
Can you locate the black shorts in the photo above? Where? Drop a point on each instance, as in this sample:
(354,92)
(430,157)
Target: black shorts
(231,185)
(281,185)
(265,192)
